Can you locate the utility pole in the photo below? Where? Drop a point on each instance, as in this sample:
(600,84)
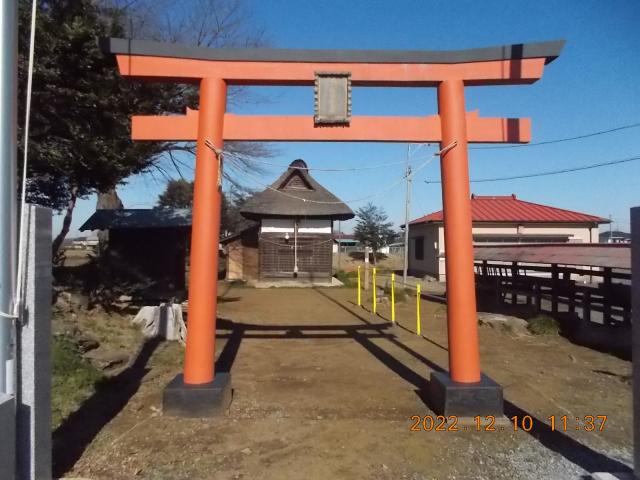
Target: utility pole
(8,174)
(407,210)
(610,227)
(366,268)
(339,243)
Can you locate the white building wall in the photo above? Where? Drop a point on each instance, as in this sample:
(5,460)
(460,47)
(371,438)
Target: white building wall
(286,225)
(429,264)
(277,225)
(576,234)
(434,264)
(442,265)
(314,226)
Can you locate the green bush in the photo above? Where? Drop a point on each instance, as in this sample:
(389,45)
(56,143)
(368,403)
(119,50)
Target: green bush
(543,325)
(342,276)
(74,379)
(400,293)
(346,278)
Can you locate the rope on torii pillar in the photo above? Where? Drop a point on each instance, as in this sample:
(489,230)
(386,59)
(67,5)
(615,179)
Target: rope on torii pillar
(219,154)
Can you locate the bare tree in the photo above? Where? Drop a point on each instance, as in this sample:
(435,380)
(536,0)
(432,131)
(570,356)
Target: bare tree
(204,23)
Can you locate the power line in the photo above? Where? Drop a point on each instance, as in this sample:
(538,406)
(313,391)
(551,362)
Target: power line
(401,162)
(551,172)
(305,200)
(351,169)
(378,193)
(559,140)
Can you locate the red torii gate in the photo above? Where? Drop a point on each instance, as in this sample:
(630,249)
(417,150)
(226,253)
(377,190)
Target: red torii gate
(465,391)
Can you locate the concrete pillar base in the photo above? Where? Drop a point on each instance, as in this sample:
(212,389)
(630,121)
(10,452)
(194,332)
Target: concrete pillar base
(8,445)
(197,401)
(465,399)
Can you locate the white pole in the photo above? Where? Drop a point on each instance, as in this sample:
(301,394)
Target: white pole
(339,243)
(610,227)
(407,212)
(295,248)
(8,175)
(366,268)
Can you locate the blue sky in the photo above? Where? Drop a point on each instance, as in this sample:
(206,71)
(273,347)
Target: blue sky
(594,85)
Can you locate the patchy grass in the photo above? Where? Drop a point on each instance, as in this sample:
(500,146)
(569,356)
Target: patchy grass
(440,309)
(342,276)
(384,270)
(169,355)
(543,325)
(401,294)
(349,279)
(74,379)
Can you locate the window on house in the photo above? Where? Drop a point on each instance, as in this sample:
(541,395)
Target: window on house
(419,248)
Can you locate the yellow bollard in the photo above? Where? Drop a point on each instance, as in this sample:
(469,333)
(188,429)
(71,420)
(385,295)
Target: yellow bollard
(359,298)
(375,298)
(418,329)
(393,297)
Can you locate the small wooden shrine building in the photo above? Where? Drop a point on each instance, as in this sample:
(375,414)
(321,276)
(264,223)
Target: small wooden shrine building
(293,235)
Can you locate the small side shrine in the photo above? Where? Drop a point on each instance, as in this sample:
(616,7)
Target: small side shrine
(293,237)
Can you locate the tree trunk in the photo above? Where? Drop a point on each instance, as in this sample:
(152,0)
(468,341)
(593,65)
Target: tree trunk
(107,201)
(66,223)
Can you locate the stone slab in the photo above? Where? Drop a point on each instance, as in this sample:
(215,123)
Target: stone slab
(33,351)
(197,401)
(447,397)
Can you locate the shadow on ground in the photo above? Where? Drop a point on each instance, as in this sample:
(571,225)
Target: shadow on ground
(574,451)
(76,433)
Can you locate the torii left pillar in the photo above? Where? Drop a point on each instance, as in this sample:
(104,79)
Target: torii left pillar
(199,391)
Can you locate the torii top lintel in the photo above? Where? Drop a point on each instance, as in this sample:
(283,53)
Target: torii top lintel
(510,64)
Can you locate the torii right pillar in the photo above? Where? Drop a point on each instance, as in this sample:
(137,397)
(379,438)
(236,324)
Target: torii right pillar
(464,392)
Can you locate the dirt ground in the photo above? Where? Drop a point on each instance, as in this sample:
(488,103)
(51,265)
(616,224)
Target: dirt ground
(325,389)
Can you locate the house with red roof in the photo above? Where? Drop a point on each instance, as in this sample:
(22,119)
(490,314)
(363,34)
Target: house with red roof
(498,220)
